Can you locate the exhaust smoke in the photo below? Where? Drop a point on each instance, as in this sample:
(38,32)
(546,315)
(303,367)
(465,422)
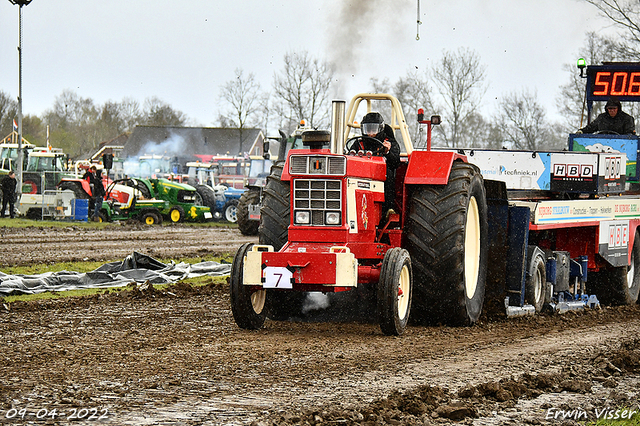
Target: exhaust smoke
(357,32)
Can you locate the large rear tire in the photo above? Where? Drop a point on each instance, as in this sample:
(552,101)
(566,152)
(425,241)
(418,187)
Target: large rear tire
(247,304)
(275,211)
(208,196)
(621,285)
(394,292)
(447,239)
(245,225)
(31,183)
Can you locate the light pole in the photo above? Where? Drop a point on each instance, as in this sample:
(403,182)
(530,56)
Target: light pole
(20,160)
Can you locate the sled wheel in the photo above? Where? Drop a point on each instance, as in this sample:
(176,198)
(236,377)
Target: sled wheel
(245,225)
(394,292)
(247,304)
(176,214)
(447,240)
(231,211)
(535,288)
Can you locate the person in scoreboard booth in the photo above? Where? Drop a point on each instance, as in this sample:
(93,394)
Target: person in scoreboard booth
(613,120)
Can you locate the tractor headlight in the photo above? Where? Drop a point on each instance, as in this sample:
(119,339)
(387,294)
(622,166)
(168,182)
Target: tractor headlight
(302,217)
(332,218)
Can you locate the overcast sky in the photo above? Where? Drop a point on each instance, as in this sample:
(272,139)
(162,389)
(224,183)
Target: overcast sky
(182,51)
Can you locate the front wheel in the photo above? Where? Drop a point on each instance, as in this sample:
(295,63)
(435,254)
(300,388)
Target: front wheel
(394,292)
(231,211)
(247,303)
(176,214)
(102,217)
(151,218)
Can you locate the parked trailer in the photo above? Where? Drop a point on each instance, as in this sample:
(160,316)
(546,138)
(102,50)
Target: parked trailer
(456,237)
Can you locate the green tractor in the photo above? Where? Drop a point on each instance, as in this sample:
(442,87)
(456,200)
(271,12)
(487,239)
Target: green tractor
(182,201)
(146,211)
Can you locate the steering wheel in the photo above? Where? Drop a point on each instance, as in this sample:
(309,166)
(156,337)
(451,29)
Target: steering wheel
(380,148)
(605,132)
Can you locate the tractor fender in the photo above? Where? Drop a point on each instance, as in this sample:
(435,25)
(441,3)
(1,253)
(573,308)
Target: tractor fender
(82,182)
(431,167)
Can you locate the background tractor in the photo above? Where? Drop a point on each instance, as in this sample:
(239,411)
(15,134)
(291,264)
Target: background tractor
(182,201)
(251,202)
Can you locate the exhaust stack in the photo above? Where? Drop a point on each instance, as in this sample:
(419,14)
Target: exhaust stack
(337,126)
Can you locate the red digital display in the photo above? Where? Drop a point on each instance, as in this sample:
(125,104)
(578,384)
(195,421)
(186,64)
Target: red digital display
(619,83)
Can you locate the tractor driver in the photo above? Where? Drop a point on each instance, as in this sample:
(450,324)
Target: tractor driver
(613,120)
(373,126)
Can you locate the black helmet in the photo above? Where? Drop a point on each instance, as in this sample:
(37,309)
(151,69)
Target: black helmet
(372,124)
(613,102)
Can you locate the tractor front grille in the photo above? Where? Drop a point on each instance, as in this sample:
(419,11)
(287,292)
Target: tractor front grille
(317,165)
(317,202)
(185,196)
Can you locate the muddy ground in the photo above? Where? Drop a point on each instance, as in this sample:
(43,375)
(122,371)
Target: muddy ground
(175,357)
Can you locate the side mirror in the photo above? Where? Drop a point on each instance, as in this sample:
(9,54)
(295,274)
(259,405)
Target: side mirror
(265,149)
(435,120)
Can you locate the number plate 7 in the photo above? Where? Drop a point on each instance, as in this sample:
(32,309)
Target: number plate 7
(277,277)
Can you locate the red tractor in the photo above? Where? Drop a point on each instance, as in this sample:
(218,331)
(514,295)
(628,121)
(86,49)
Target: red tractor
(322,230)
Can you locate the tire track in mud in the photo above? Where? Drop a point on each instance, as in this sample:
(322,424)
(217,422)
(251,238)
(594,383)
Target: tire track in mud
(32,245)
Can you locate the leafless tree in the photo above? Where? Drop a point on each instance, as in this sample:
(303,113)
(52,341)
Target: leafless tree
(459,78)
(159,113)
(301,90)
(522,122)
(130,113)
(571,101)
(8,110)
(625,15)
(242,95)
(480,133)
(78,125)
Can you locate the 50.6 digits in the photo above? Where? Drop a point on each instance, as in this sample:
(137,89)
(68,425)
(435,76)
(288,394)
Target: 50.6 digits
(53,413)
(618,83)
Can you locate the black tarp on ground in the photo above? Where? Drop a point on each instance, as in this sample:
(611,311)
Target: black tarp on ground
(136,267)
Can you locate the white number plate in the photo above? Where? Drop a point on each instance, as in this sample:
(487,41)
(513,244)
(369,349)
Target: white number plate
(277,277)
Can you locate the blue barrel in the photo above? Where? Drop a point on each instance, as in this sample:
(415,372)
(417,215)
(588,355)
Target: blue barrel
(80,209)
